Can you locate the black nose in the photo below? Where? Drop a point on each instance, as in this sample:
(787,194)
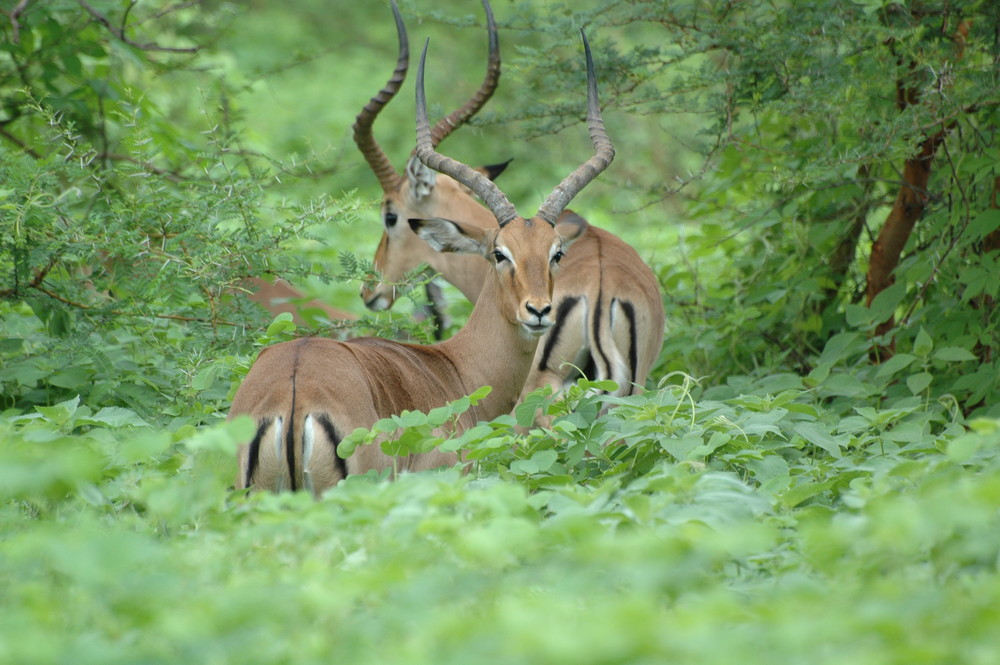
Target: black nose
(538,312)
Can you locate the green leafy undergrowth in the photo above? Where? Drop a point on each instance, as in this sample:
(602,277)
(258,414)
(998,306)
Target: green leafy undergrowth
(754,528)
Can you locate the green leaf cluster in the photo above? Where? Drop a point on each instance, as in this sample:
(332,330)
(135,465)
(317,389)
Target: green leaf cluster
(751,513)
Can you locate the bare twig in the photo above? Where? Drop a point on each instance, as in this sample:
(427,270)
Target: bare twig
(120,34)
(14,15)
(118,312)
(21,144)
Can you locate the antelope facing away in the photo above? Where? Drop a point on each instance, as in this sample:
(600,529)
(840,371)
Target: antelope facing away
(610,318)
(306,394)
(280,296)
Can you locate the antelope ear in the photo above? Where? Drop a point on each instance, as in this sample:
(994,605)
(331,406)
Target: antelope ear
(447,236)
(570,227)
(422,178)
(493,171)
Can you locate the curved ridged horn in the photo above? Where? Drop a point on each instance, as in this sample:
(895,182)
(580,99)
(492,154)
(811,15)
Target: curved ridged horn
(459,117)
(482,186)
(604,151)
(363,137)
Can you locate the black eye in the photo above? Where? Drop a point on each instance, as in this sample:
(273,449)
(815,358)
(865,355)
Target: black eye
(499,256)
(557,257)
(390,219)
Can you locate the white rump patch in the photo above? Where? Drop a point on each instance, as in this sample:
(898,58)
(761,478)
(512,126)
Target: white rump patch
(278,430)
(308,440)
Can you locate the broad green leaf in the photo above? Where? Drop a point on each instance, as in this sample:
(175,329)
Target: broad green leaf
(565,425)
(885,303)
(986,222)
(26,373)
(818,436)
(839,348)
(461,405)
(438,416)
(845,385)
(61,413)
(410,419)
(72,379)
(681,449)
(281,325)
(349,443)
(984,425)
(223,437)
(544,459)
(606,385)
(479,394)
(206,378)
(859,316)
(524,467)
(526,410)
(963,448)
(819,374)
(953,354)
(895,364)
(768,468)
(802,491)
(115,416)
(917,383)
(11,344)
(385,425)
(141,446)
(923,344)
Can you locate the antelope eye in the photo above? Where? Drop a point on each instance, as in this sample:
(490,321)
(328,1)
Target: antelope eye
(557,257)
(390,219)
(499,256)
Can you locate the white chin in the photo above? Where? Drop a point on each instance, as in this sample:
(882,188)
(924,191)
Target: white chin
(379,304)
(534,331)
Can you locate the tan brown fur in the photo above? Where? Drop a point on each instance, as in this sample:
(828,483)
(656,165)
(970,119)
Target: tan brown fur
(353,384)
(602,270)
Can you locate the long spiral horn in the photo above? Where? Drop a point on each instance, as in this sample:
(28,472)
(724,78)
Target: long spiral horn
(605,152)
(482,186)
(460,116)
(363,137)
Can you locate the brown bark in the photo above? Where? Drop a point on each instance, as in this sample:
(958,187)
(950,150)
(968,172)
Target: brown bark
(907,209)
(909,205)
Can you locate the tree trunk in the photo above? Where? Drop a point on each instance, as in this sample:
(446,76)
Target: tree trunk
(908,208)
(909,205)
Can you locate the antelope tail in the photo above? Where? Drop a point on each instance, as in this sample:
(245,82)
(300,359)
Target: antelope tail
(292,451)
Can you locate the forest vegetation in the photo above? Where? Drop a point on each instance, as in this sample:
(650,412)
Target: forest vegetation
(812,474)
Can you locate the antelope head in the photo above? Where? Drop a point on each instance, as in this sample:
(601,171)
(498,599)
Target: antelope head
(420,191)
(513,233)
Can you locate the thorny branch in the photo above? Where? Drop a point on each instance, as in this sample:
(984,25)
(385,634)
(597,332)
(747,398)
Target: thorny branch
(14,15)
(119,32)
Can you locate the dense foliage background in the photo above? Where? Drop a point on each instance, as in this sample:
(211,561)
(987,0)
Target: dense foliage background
(812,476)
